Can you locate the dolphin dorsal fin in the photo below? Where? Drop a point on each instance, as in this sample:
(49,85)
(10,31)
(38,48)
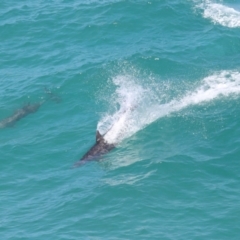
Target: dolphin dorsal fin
(99,137)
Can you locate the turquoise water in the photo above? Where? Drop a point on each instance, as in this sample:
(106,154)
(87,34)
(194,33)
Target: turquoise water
(174,173)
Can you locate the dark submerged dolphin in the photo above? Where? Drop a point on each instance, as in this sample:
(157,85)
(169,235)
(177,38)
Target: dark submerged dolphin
(26,110)
(19,114)
(100,148)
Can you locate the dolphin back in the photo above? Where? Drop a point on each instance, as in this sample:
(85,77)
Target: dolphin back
(100,148)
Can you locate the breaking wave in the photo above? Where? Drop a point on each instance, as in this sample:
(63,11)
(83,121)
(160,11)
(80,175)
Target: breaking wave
(220,14)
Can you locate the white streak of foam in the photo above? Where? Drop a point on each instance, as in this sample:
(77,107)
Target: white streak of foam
(224,83)
(221,14)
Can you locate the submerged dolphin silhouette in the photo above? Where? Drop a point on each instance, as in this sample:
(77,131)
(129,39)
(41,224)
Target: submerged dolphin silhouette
(100,148)
(25,110)
(19,114)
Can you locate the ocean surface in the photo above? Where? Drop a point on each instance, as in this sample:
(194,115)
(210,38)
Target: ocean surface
(162,78)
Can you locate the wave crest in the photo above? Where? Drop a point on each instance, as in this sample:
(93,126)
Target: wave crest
(220,14)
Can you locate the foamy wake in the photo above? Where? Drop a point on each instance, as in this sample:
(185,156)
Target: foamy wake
(220,14)
(140,106)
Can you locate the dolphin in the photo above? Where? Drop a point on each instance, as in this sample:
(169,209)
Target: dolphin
(26,110)
(19,114)
(100,148)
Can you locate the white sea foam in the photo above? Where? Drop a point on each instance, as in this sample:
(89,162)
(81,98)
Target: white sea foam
(140,106)
(220,14)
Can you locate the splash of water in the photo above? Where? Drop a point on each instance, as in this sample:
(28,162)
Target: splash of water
(140,106)
(129,96)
